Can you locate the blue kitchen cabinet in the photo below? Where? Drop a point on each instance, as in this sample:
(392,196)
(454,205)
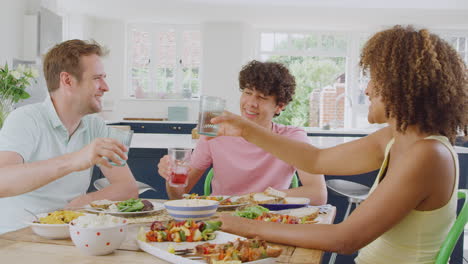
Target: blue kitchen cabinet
(159,128)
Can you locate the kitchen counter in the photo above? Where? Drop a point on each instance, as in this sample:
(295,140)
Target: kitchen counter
(164,141)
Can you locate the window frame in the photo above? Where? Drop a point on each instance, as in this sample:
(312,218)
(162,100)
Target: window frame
(352,58)
(355,39)
(153,29)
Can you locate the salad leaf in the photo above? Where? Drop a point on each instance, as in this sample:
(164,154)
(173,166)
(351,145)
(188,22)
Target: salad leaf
(212,225)
(130,205)
(251,212)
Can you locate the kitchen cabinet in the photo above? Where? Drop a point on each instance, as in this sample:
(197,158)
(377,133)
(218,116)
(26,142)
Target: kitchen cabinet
(159,128)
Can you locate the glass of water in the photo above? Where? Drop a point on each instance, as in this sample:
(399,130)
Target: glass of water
(210,107)
(124,137)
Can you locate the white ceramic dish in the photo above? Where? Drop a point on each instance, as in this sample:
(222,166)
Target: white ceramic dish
(50,231)
(156,207)
(160,249)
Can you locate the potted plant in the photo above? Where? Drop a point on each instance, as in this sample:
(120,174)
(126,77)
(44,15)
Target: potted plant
(13,84)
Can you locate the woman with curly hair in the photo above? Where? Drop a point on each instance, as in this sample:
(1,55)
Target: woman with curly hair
(241,167)
(419,88)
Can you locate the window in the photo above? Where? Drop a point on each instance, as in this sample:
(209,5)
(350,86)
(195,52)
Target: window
(330,91)
(318,62)
(460,43)
(163,61)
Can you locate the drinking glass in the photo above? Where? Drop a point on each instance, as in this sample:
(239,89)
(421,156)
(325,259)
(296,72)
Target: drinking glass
(124,137)
(210,107)
(180,164)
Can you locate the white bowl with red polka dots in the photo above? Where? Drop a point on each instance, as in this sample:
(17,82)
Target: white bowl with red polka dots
(97,241)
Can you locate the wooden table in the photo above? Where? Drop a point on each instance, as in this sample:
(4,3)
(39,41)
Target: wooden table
(23,246)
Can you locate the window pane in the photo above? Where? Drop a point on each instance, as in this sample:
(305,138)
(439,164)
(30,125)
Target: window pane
(195,85)
(191,58)
(192,49)
(166,61)
(169,73)
(298,41)
(140,61)
(462,44)
(328,41)
(454,42)
(163,62)
(320,88)
(281,41)
(340,42)
(267,42)
(311,41)
(265,57)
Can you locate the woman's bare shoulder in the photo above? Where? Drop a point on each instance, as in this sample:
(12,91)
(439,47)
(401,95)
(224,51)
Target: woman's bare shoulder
(381,137)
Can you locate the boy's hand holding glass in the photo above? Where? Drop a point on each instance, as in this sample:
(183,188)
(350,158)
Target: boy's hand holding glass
(180,165)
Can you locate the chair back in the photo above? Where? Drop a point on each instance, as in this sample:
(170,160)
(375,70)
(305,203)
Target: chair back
(207,186)
(209,178)
(102,183)
(455,232)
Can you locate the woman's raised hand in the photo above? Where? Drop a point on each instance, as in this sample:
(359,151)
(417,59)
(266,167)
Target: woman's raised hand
(230,124)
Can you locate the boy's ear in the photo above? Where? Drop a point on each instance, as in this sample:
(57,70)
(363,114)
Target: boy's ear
(280,107)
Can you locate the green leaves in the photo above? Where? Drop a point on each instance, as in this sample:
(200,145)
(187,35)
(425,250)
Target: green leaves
(251,212)
(311,73)
(13,83)
(130,205)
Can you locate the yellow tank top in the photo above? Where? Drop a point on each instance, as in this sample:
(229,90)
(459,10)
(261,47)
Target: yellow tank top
(418,237)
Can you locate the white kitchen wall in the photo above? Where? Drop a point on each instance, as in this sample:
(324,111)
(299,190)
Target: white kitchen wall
(224,53)
(11,30)
(227,36)
(225,50)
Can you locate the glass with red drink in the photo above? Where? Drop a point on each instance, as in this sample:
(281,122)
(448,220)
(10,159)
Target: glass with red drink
(180,164)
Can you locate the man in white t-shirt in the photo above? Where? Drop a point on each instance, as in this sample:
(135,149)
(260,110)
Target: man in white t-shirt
(47,150)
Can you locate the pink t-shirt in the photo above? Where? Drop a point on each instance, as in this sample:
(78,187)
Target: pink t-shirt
(241,167)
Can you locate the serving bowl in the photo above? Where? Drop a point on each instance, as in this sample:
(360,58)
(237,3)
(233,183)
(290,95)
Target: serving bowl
(191,209)
(50,231)
(98,240)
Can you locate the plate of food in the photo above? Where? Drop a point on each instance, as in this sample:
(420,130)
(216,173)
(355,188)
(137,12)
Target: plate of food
(213,247)
(274,200)
(225,201)
(53,225)
(130,207)
(304,215)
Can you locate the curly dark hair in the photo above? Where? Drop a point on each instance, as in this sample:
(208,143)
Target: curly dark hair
(421,79)
(269,78)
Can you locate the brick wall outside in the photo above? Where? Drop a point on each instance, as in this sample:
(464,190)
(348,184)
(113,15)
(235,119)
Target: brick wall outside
(327,106)
(314,108)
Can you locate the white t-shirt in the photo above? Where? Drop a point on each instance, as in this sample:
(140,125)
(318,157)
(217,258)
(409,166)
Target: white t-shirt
(36,133)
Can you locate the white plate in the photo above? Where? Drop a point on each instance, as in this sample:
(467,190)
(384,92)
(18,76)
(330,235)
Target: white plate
(156,207)
(233,198)
(159,249)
